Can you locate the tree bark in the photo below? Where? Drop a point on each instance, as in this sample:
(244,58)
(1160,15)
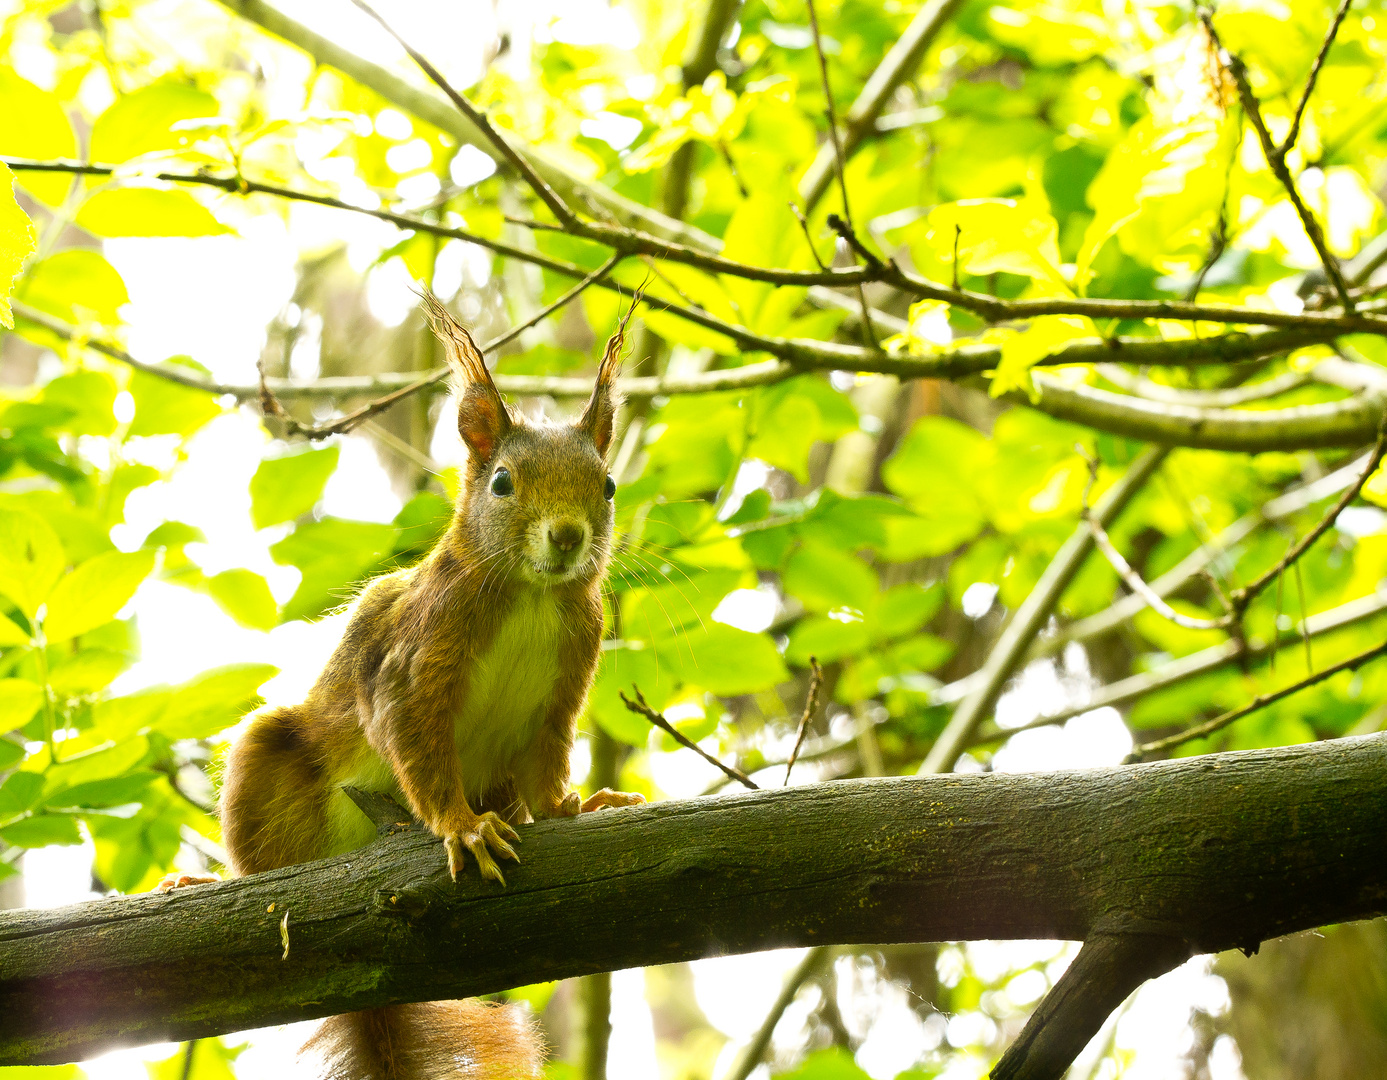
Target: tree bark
(1212,852)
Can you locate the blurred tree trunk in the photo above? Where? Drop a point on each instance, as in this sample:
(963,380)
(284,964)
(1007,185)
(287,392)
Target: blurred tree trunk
(1312,1006)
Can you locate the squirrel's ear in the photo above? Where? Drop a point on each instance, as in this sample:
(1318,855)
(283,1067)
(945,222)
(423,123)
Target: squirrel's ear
(599,417)
(483,418)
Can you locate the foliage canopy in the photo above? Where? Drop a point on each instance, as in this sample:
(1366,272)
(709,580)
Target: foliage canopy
(1062,216)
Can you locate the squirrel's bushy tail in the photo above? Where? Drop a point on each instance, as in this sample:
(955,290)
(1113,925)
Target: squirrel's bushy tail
(436,1040)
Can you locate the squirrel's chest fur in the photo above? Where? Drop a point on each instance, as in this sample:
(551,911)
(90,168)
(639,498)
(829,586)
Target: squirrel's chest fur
(507,690)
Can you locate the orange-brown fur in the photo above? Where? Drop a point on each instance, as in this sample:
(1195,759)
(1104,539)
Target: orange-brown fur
(390,710)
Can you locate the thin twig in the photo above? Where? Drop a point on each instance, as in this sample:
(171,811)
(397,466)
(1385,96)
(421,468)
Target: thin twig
(1198,731)
(1195,665)
(270,406)
(840,163)
(635,243)
(1218,243)
(1294,133)
(1276,160)
(1245,595)
(1124,569)
(816,677)
(658,719)
(547,194)
(804,227)
(958,235)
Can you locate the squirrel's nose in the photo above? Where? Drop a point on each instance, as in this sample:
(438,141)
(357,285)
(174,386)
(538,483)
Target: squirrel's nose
(566,535)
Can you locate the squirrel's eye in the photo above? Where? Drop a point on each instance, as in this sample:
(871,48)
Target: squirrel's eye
(609,489)
(501,483)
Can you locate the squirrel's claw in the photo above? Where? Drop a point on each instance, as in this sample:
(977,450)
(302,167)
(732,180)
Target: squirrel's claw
(177,880)
(487,833)
(599,800)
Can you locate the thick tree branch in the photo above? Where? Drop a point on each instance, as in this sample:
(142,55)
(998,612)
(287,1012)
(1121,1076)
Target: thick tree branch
(1216,852)
(1107,969)
(1351,422)
(630,242)
(442,115)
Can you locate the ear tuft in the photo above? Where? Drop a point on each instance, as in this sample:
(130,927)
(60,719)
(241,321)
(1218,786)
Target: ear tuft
(599,417)
(483,419)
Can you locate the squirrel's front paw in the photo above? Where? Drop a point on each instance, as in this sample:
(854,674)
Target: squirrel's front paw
(481,835)
(599,800)
(177,880)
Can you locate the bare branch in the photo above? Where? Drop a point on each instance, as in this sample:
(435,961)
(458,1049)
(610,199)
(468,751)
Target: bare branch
(640,707)
(1276,159)
(1283,506)
(811,700)
(868,337)
(1131,577)
(1218,723)
(1218,399)
(1108,968)
(1009,652)
(271,407)
(632,242)
(896,67)
(546,194)
(1245,595)
(1330,34)
(1234,650)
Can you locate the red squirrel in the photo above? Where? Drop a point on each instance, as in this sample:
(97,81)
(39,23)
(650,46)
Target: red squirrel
(456,689)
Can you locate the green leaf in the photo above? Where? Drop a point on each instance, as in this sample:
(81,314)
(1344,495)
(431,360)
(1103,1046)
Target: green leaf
(937,467)
(19,700)
(827,639)
(334,556)
(42,830)
(728,661)
(999,236)
(99,763)
(147,211)
(87,672)
(96,794)
(94,592)
(142,122)
(213,701)
(11,753)
(1021,352)
(617,670)
(1154,163)
(120,717)
(31,558)
(11,634)
(77,285)
(17,242)
(905,608)
(164,407)
(20,792)
(42,1072)
(835,1063)
(211,1060)
(285,487)
(89,396)
(824,577)
(246,597)
(35,127)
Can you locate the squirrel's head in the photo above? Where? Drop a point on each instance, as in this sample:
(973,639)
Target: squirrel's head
(536,503)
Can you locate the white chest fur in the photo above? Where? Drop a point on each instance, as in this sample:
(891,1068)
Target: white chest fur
(508,691)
